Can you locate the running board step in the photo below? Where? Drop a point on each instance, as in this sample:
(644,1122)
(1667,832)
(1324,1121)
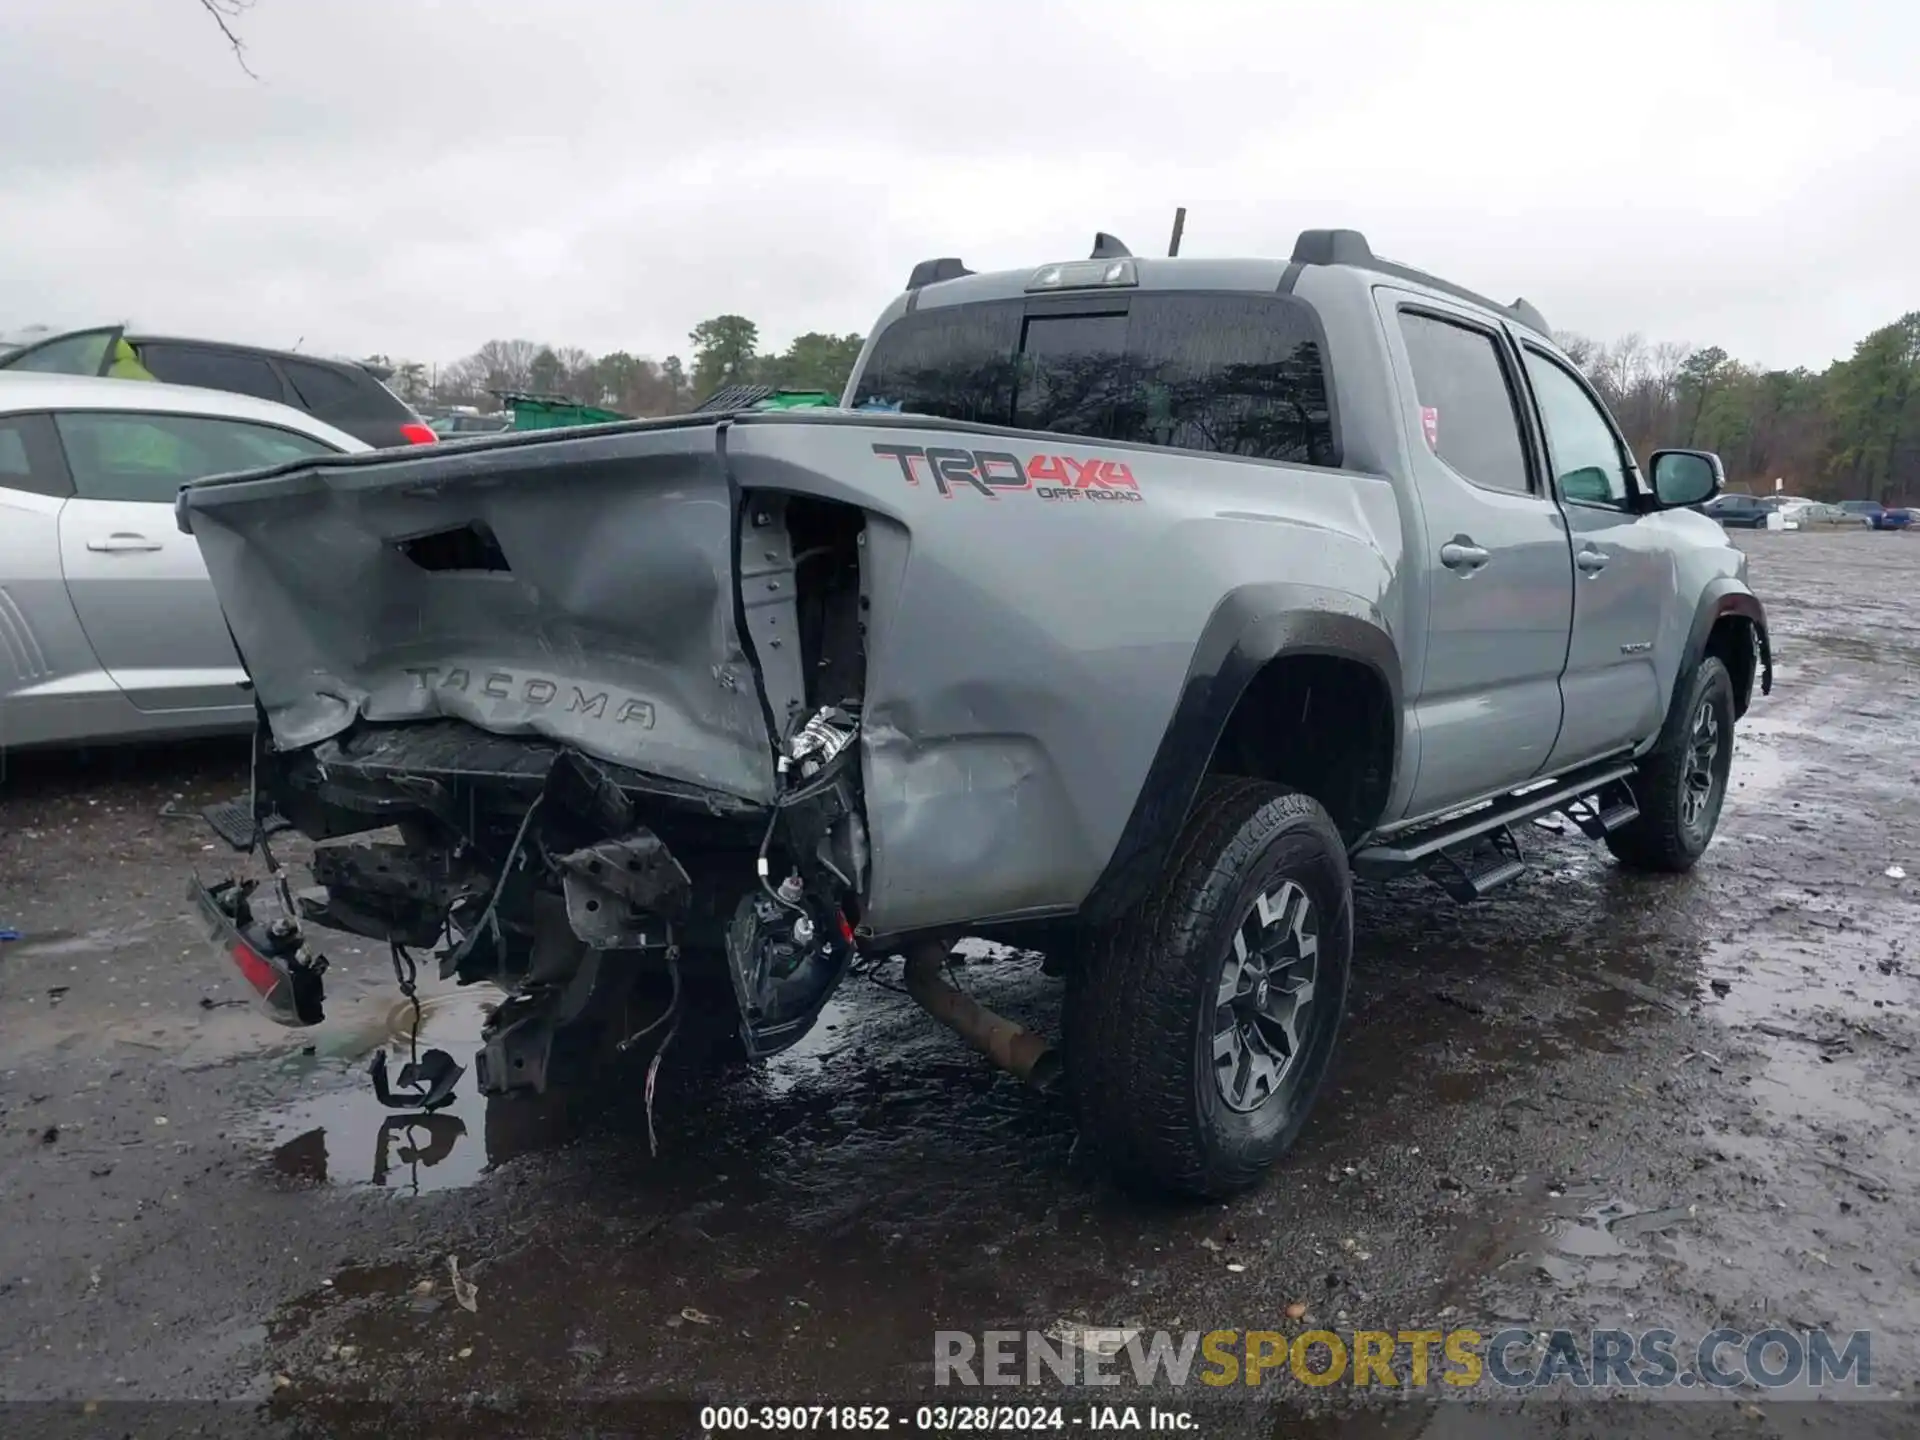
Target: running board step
(1480,866)
(232,820)
(1598,816)
(1415,850)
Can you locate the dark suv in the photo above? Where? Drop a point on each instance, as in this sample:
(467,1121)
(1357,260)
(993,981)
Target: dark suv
(347,394)
(1737,511)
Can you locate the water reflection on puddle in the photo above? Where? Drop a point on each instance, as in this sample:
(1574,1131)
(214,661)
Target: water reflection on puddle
(1591,1239)
(346,1137)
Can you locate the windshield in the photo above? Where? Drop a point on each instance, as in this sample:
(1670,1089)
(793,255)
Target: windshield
(1227,373)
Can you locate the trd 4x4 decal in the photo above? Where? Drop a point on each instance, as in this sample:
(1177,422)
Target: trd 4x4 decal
(1050,477)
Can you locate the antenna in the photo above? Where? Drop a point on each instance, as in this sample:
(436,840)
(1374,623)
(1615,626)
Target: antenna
(1179,227)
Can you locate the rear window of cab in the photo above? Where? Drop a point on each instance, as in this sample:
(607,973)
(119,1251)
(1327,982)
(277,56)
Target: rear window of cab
(1228,374)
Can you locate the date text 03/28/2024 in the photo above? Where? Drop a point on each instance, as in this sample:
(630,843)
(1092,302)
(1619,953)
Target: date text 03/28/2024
(944,1419)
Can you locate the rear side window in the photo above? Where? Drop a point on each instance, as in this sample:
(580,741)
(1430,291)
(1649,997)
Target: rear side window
(1230,374)
(145,457)
(211,369)
(29,456)
(14,470)
(335,395)
(1466,401)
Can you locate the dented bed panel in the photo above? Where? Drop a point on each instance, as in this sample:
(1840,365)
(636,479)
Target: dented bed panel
(579,587)
(1035,603)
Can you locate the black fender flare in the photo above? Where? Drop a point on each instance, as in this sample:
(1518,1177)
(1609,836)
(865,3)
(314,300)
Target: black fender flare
(1721,597)
(1250,627)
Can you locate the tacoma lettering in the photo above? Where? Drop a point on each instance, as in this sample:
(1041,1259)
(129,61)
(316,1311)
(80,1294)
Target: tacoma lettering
(535,691)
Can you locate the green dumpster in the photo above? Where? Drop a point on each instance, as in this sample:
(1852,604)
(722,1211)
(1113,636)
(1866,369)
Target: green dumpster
(796,400)
(553,412)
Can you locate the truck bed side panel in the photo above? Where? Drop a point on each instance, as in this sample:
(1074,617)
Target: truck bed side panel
(1028,642)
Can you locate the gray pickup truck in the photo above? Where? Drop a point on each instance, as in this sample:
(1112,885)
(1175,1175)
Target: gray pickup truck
(1126,610)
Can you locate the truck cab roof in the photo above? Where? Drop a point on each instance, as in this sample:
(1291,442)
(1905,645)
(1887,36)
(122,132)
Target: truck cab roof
(1111,268)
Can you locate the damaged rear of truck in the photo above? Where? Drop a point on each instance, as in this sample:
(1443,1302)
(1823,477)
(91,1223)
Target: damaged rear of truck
(681,717)
(1127,611)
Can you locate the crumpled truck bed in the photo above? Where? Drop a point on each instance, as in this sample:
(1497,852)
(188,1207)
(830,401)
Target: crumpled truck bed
(1037,607)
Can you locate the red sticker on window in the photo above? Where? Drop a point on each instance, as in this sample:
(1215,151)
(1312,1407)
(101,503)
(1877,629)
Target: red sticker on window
(1430,422)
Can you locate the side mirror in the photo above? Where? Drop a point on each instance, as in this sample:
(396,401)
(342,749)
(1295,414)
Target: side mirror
(1686,477)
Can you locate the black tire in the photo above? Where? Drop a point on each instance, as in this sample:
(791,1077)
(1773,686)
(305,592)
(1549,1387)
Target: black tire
(1143,1010)
(1679,792)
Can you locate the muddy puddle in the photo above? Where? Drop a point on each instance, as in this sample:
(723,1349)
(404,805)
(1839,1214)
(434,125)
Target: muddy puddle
(340,1133)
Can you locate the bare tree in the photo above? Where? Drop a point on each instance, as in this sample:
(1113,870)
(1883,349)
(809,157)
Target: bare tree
(225,13)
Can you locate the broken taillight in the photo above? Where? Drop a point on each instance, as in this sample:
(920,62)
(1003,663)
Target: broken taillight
(259,974)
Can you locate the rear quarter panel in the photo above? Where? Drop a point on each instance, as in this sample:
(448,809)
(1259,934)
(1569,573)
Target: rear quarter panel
(1027,644)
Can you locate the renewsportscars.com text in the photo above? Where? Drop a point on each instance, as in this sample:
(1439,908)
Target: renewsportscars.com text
(1513,1358)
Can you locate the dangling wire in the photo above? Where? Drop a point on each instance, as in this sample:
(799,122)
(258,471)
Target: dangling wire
(407,972)
(673,1004)
(653,1065)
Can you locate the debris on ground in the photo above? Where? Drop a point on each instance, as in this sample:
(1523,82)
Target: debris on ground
(1105,1341)
(1894,872)
(466,1294)
(698,1317)
(1639,989)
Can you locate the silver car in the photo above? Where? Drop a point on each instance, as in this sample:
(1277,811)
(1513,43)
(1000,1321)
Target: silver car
(109,629)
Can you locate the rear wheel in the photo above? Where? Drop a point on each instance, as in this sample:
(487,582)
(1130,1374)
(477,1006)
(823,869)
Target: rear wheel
(1200,1028)
(1682,783)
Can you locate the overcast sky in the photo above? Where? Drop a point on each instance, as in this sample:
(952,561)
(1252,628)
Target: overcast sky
(413,177)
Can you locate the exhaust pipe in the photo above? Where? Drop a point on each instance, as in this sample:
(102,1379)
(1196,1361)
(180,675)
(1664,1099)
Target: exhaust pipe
(1015,1049)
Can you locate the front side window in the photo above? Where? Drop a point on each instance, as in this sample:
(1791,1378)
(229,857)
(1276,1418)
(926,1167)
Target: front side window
(1588,463)
(1467,410)
(145,457)
(82,353)
(1228,374)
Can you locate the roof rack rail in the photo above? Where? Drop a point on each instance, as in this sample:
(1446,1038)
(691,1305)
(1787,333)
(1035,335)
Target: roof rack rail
(1108,247)
(1350,247)
(932,272)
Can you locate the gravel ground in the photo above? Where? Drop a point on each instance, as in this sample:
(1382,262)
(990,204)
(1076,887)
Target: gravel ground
(1594,1099)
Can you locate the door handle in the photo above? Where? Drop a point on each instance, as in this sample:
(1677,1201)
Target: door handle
(1461,553)
(1591,562)
(121,542)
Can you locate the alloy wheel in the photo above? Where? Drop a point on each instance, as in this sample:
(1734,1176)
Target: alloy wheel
(1265,995)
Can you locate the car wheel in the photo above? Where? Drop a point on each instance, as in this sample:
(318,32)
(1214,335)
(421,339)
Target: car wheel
(1200,1027)
(1682,783)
